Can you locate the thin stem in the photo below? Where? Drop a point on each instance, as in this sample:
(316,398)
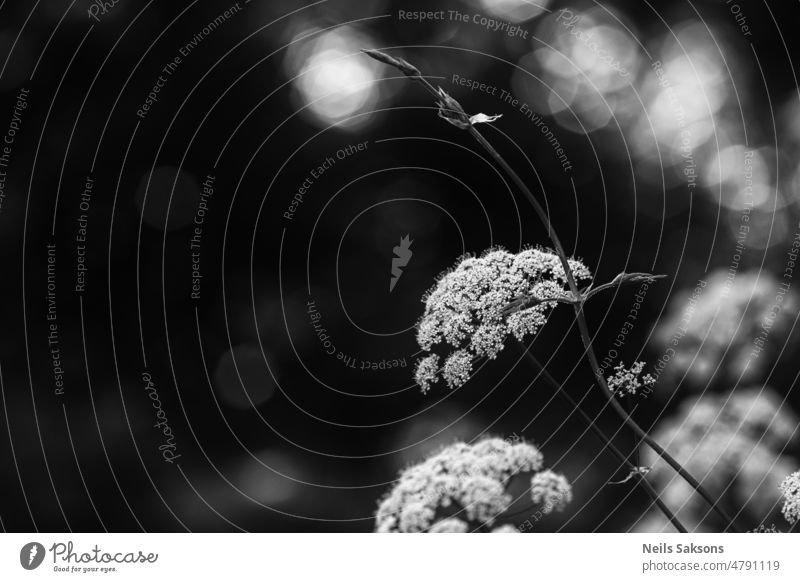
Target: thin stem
(526,301)
(607,442)
(453,112)
(629,408)
(621,279)
(674,464)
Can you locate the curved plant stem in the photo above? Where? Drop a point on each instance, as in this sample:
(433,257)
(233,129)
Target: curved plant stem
(452,111)
(610,445)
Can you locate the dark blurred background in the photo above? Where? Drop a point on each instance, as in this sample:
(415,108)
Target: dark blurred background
(197,394)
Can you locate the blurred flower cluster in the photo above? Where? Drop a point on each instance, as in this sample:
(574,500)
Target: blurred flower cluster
(467,484)
(735,445)
(725,330)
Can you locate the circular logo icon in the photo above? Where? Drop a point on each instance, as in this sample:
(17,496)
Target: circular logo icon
(31,555)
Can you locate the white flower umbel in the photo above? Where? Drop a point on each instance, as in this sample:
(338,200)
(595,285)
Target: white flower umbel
(465,483)
(790,488)
(477,305)
(629,380)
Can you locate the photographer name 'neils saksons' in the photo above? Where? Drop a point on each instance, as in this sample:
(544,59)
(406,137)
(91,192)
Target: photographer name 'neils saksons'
(664,548)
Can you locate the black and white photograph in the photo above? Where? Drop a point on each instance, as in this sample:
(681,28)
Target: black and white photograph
(293,273)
